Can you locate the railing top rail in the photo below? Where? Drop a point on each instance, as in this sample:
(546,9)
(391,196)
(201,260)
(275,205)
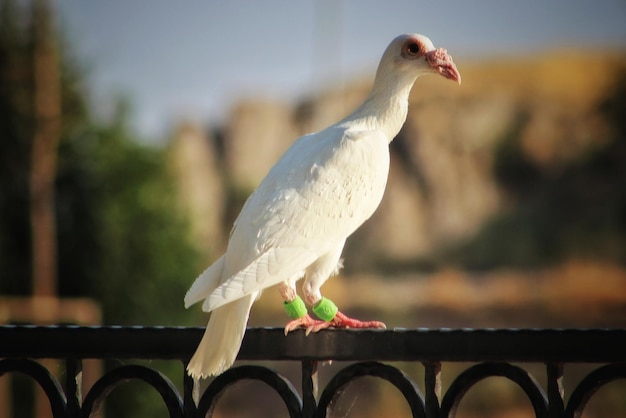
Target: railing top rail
(456,345)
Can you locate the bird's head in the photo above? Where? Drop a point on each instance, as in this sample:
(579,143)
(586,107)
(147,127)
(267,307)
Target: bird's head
(416,55)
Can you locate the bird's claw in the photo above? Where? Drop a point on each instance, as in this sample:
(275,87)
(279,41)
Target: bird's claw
(342,321)
(339,321)
(305,322)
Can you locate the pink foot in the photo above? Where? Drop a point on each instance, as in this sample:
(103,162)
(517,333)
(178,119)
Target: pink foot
(305,322)
(339,321)
(342,321)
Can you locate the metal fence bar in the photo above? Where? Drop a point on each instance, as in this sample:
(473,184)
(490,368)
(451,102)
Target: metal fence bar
(73,386)
(432,377)
(554,373)
(309,388)
(492,352)
(473,345)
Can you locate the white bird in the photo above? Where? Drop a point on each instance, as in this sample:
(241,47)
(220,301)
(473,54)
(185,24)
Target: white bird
(296,222)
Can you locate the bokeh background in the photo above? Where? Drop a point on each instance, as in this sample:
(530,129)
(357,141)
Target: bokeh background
(132,132)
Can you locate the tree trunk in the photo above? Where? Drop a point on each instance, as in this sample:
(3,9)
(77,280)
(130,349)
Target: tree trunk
(47,109)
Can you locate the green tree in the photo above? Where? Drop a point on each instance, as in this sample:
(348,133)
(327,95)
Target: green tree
(120,239)
(146,261)
(15,134)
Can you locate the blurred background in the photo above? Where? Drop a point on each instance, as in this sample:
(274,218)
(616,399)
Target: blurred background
(131,134)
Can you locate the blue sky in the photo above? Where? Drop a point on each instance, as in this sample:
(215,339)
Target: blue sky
(197,58)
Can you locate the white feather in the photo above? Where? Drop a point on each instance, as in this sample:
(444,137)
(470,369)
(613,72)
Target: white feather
(221,340)
(205,284)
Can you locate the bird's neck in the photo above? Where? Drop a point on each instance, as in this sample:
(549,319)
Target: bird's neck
(386,107)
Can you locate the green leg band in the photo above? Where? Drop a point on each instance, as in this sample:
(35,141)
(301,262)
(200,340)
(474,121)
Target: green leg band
(296,308)
(325,309)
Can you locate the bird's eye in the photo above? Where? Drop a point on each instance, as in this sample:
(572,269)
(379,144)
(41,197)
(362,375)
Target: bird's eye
(412,48)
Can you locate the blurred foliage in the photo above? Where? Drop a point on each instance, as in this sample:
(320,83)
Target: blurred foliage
(118,226)
(15,131)
(578,210)
(120,238)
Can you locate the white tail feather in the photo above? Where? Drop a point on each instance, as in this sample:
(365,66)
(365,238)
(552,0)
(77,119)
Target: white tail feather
(222,338)
(205,283)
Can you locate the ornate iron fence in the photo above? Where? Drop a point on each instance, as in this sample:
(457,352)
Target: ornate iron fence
(493,351)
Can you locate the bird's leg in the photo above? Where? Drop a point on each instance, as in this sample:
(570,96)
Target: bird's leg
(324,308)
(295,308)
(329,314)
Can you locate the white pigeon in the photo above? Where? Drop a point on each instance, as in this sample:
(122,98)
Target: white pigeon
(296,222)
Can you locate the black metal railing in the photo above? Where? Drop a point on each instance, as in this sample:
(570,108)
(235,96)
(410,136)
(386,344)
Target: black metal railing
(492,350)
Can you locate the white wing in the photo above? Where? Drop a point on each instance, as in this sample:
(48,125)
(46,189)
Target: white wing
(323,188)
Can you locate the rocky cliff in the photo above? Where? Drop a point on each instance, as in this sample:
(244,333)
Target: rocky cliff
(455,165)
